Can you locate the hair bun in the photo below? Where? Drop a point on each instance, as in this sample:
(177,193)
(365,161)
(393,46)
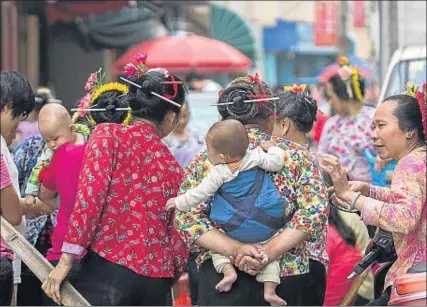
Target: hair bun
(110,101)
(143,97)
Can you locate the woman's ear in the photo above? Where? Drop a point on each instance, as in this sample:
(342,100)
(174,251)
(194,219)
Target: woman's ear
(285,123)
(410,134)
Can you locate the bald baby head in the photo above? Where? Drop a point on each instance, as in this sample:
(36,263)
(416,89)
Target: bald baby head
(55,125)
(228,138)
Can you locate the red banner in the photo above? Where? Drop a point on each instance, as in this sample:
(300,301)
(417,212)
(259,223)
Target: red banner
(359,14)
(326,23)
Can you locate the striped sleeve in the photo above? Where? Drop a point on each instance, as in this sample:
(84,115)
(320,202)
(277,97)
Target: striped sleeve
(5,177)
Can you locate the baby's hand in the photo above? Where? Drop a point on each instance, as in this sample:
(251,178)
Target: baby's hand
(30,201)
(263,254)
(170,204)
(267,144)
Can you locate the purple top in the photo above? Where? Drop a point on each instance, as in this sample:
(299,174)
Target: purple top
(26,129)
(185,151)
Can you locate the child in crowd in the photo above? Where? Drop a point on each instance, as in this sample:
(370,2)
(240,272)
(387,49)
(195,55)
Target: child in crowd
(227,148)
(57,128)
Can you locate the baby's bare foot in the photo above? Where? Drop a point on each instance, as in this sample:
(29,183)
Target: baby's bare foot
(230,276)
(274,299)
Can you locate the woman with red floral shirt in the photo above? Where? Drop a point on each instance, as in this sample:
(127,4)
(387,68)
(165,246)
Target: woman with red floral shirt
(128,174)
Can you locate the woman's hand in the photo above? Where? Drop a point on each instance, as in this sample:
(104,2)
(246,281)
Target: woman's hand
(52,285)
(249,258)
(356,186)
(332,165)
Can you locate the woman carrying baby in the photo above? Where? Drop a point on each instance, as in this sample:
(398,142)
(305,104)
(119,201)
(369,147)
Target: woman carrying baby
(60,181)
(128,174)
(299,185)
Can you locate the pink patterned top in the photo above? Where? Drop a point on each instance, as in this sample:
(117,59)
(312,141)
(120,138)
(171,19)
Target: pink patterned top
(347,137)
(4,183)
(401,209)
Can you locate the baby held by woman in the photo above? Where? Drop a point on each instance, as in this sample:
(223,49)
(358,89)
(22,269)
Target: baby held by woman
(57,128)
(246,205)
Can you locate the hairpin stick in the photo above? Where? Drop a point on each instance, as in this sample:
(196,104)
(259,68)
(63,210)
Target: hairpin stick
(247,101)
(261,99)
(166,99)
(100,110)
(130,82)
(222,104)
(152,93)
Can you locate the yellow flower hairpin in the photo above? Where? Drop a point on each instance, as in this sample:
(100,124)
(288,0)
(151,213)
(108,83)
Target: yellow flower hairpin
(411,89)
(295,88)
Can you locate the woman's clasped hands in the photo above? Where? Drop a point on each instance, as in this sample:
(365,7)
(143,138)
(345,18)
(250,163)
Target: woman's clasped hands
(250,258)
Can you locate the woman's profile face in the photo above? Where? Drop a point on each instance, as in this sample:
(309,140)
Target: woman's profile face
(9,125)
(184,118)
(389,140)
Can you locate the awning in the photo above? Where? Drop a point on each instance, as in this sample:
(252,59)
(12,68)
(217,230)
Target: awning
(233,29)
(66,11)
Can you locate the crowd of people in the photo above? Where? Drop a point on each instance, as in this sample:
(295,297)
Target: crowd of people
(122,197)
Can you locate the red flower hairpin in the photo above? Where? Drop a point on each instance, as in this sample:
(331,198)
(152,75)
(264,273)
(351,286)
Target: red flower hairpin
(421,98)
(132,69)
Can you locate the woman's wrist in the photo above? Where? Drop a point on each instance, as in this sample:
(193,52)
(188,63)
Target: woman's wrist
(236,249)
(269,251)
(66,259)
(348,196)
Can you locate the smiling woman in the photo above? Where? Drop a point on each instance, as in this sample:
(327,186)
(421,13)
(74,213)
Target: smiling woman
(400,133)
(17,101)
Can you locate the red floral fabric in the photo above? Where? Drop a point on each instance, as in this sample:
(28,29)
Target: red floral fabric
(127,176)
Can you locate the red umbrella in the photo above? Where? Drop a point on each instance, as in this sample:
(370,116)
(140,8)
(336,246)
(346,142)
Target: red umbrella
(184,53)
(331,70)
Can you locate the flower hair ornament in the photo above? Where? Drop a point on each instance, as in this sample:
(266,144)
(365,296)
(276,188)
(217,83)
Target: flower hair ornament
(350,74)
(133,71)
(421,96)
(96,87)
(297,89)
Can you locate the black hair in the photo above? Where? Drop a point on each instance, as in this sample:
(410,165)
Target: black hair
(148,106)
(43,96)
(16,91)
(238,91)
(110,100)
(408,114)
(340,87)
(301,108)
(335,219)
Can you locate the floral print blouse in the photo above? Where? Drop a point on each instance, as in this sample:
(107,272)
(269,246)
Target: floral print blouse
(401,209)
(299,183)
(25,158)
(347,137)
(317,249)
(127,176)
